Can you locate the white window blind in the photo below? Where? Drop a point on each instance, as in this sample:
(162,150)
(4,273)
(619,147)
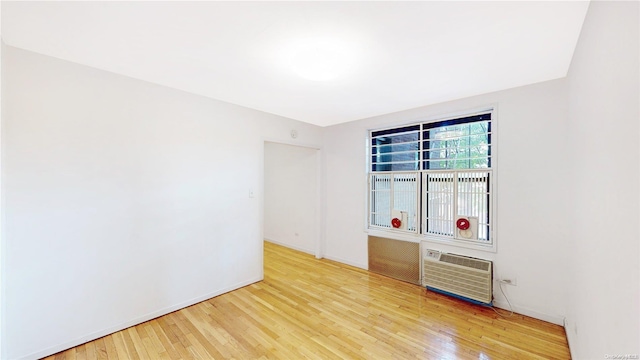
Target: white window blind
(448,194)
(393,191)
(438,205)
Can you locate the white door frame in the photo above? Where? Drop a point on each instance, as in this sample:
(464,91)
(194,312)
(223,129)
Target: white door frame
(320,208)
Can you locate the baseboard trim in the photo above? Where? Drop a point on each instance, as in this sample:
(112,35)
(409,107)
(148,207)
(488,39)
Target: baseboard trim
(98,334)
(351,263)
(554,319)
(568,333)
(306,251)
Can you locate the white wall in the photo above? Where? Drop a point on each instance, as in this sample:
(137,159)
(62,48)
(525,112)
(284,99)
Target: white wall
(531,237)
(123,200)
(603,308)
(1,217)
(290,196)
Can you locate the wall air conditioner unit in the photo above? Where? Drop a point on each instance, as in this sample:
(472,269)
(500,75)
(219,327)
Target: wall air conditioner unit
(464,277)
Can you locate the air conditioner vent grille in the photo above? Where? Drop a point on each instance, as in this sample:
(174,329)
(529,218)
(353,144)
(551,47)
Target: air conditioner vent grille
(459,275)
(465,261)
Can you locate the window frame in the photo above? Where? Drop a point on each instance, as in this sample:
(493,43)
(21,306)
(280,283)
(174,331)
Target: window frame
(492,169)
(455,193)
(417,198)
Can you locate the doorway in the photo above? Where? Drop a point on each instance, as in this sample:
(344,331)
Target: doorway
(292,197)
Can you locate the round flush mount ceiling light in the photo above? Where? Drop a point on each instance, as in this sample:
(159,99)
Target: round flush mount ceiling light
(321,58)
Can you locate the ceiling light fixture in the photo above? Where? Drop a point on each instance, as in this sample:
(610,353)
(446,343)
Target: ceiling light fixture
(321,58)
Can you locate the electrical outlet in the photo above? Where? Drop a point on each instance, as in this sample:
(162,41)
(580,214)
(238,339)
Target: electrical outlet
(509,281)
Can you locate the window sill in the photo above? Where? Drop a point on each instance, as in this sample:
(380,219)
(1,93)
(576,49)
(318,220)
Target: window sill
(418,238)
(395,234)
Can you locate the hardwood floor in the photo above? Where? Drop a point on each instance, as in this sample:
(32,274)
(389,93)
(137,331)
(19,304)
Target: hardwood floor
(319,309)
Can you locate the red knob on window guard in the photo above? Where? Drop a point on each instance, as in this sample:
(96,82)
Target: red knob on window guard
(462,224)
(396,223)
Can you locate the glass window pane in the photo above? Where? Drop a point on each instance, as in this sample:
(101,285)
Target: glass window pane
(458,146)
(380,200)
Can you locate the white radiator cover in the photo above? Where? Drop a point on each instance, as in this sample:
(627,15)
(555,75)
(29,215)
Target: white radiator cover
(459,275)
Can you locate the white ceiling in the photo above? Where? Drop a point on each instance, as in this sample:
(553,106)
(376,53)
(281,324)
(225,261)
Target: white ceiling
(404,54)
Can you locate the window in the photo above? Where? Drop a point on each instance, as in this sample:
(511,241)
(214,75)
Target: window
(396,149)
(428,175)
(394,192)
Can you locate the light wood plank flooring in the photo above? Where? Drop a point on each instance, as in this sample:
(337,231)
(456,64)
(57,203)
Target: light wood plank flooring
(320,309)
